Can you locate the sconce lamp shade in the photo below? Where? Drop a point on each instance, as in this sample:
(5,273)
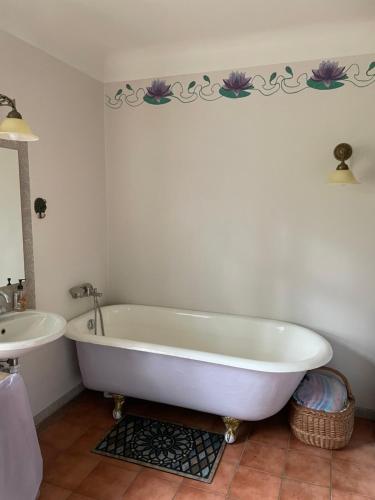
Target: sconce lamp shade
(342,177)
(342,174)
(16,129)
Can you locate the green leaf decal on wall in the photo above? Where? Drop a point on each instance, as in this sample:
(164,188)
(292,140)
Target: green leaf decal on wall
(335,84)
(191,85)
(371,66)
(119,92)
(156,102)
(206,78)
(232,94)
(129,87)
(289,70)
(273,76)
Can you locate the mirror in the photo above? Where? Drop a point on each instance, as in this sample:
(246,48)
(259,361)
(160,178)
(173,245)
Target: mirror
(11,256)
(16,237)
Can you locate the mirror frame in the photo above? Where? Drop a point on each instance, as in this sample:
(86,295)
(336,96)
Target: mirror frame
(27,233)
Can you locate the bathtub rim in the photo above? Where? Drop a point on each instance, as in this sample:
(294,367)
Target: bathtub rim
(320,359)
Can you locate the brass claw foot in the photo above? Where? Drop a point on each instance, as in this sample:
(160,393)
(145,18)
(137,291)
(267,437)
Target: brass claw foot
(231,425)
(119,402)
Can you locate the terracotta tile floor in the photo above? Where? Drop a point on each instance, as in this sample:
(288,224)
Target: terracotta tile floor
(265,463)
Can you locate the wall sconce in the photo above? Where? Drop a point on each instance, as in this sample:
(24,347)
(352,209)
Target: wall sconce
(14,127)
(342,174)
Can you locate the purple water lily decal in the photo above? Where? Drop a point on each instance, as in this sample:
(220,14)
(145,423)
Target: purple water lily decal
(236,84)
(328,75)
(158,90)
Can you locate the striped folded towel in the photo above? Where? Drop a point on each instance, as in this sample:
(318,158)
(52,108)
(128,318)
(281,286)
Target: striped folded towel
(321,390)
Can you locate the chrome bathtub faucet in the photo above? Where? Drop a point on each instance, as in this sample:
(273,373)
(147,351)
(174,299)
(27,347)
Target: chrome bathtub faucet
(81,291)
(84,290)
(88,290)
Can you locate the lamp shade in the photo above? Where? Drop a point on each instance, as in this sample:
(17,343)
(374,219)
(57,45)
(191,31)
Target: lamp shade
(16,129)
(342,177)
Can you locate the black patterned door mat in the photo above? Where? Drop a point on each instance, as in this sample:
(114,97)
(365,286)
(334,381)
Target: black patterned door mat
(168,447)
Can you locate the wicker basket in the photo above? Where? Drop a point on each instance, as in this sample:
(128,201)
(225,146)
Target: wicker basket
(322,429)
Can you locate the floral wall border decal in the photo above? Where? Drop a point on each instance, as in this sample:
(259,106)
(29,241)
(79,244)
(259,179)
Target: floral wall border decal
(328,76)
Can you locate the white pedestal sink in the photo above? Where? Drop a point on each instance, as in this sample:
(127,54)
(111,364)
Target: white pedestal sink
(21,463)
(21,332)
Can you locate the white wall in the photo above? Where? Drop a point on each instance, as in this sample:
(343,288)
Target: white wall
(223,206)
(65,109)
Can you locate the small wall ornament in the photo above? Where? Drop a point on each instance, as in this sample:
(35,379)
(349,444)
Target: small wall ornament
(40,207)
(329,75)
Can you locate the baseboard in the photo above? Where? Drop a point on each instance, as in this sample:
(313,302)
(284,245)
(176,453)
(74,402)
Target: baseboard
(365,413)
(56,405)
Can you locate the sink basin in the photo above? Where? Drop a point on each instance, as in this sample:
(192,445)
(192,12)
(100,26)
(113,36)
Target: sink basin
(22,332)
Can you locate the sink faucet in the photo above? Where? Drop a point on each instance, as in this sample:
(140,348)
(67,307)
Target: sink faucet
(3,309)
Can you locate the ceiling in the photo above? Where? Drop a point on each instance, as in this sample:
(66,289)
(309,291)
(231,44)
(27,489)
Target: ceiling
(112,40)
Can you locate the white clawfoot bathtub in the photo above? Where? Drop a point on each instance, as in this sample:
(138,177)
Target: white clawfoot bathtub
(235,366)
